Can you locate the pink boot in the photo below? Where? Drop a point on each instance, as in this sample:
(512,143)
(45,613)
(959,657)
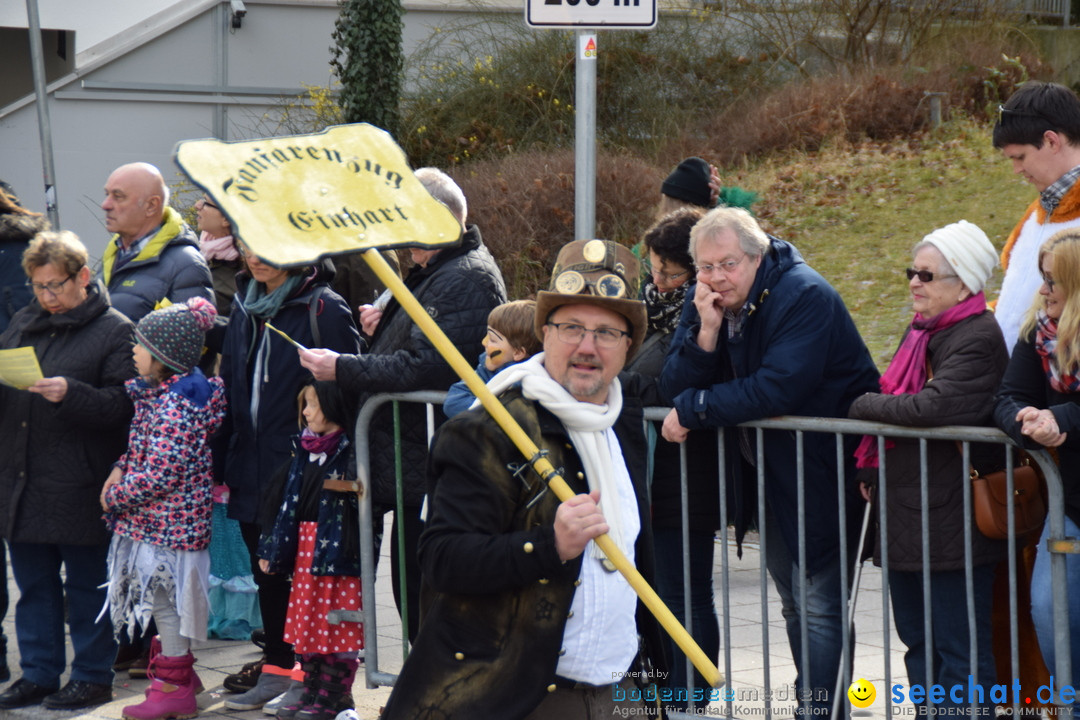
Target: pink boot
(171,693)
(155,650)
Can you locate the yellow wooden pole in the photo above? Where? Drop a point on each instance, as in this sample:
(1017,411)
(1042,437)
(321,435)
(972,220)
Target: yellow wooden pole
(546,471)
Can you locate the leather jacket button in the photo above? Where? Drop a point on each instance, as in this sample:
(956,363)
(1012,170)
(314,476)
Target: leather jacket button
(527,547)
(577,582)
(569,614)
(459,656)
(551,687)
(581,476)
(544,581)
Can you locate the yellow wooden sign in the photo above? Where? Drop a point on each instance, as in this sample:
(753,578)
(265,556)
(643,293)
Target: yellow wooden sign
(297,198)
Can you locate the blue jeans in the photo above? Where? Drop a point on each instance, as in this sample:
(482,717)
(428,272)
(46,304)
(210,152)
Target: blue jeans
(949,625)
(669,585)
(39,613)
(825,617)
(1042,605)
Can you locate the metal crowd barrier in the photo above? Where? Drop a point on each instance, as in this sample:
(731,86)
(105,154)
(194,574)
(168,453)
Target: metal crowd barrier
(1058,544)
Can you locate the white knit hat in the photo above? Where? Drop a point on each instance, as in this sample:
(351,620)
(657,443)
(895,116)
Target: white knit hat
(967,250)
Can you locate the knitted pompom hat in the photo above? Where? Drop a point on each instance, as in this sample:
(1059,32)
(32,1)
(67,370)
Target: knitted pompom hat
(175,335)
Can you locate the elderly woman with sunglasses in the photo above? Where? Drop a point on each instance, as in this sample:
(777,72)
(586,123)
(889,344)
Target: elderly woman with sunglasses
(945,372)
(58,439)
(1039,406)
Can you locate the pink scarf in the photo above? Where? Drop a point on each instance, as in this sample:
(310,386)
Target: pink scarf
(218,248)
(906,374)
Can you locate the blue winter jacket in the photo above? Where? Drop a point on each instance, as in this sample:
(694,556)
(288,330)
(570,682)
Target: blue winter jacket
(799,354)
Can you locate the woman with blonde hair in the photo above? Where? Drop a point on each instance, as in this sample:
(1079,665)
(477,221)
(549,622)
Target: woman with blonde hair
(1038,405)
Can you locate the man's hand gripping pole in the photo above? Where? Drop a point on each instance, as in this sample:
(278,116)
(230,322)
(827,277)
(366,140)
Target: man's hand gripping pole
(541,464)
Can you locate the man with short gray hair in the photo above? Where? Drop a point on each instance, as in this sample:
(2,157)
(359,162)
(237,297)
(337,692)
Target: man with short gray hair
(153,255)
(764,336)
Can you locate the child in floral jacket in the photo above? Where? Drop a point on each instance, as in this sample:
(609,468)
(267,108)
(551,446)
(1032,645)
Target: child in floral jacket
(158,501)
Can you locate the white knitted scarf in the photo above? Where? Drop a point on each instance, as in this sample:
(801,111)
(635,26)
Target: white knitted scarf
(585,422)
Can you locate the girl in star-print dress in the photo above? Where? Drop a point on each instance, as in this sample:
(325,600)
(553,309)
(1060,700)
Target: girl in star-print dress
(314,535)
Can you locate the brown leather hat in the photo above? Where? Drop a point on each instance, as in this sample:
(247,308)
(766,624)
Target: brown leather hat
(595,272)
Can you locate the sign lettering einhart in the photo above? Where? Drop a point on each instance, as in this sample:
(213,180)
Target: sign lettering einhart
(296,198)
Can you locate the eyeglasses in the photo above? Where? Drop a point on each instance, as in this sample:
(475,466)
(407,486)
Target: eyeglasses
(573,334)
(1049,282)
(925,275)
(727,266)
(203,202)
(670,277)
(53,288)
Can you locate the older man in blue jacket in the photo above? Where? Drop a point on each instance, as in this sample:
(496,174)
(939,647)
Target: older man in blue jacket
(766,335)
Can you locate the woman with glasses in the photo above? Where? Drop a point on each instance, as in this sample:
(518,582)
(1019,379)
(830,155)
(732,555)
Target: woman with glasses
(670,281)
(1038,405)
(58,439)
(945,372)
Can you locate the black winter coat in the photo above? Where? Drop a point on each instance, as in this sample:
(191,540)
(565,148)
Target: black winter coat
(458,289)
(702,461)
(56,456)
(496,594)
(258,445)
(1026,384)
(967,360)
(16,232)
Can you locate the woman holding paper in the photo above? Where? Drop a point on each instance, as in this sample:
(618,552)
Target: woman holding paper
(262,373)
(58,439)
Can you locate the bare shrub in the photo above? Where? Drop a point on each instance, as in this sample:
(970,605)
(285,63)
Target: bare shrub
(524,206)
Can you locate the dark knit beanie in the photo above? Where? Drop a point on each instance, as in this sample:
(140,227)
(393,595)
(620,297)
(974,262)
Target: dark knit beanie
(689,182)
(175,335)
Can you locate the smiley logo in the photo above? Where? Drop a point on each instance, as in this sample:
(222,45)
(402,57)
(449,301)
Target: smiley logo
(861,693)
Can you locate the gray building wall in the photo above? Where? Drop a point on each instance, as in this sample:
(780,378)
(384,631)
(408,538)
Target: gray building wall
(141,92)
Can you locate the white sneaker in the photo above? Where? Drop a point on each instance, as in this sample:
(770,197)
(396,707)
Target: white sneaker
(266,689)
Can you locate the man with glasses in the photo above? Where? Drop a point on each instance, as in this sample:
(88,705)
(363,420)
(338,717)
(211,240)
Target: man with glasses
(764,336)
(153,255)
(1038,130)
(527,618)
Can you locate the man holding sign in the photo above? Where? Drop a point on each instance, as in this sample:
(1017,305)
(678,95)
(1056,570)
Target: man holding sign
(527,617)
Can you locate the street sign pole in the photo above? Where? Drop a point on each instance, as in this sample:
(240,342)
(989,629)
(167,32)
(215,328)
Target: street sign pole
(585,137)
(585,17)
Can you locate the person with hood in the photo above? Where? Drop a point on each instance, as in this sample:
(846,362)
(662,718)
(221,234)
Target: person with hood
(263,375)
(459,286)
(153,255)
(58,439)
(18,226)
(766,335)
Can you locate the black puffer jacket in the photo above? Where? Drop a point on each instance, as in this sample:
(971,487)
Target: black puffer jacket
(16,232)
(968,361)
(56,456)
(458,289)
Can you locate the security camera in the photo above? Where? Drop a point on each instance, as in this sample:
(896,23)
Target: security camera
(239,10)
